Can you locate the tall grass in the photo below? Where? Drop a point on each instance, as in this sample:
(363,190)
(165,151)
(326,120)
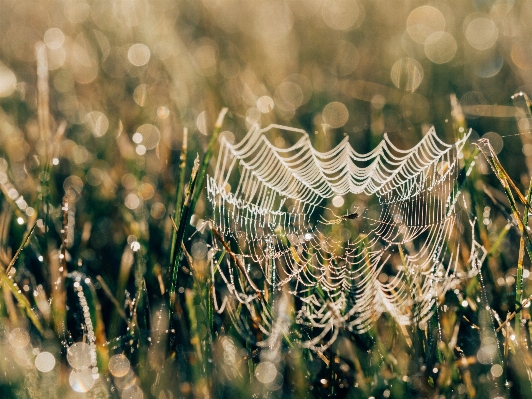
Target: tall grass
(166,327)
(109,268)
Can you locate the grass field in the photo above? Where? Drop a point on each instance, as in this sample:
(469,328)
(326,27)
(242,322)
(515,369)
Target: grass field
(112,116)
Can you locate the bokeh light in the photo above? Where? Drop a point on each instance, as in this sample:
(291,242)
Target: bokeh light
(423,22)
(94,101)
(134,392)
(521,54)
(45,362)
(54,38)
(338,201)
(481,33)
(97,122)
(440,47)
(272,21)
(346,59)
(79,356)
(342,14)
(495,140)
(407,74)
(265,104)
(288,96)
(138,54)
(81,380)
(119,365)
(8,81)
(149,136)
(19,338)
(266,372)
(335,114)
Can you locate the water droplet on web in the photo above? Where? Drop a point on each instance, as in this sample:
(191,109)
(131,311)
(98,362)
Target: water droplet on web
(331,173)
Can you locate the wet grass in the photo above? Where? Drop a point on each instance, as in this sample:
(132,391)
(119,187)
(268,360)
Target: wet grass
(178,345)
(152,300)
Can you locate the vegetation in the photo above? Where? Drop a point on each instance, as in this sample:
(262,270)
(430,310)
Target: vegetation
(110,116)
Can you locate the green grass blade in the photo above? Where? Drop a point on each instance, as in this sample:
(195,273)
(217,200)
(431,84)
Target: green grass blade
(185,216)
(207,158)
(180,191)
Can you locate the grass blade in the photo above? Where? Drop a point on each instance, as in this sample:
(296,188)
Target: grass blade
(207,158)
(179,192)
(185,213)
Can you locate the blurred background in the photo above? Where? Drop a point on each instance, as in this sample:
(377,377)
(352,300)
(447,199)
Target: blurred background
(331,67)
(309,63)
(127,77)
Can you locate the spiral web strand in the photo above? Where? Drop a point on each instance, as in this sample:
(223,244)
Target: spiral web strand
(271,204)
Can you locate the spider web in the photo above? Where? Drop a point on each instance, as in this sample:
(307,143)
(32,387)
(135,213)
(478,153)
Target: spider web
(405,250)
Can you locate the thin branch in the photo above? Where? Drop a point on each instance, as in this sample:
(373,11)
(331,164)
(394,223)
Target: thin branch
(514,313)
(189,259)
(110,295)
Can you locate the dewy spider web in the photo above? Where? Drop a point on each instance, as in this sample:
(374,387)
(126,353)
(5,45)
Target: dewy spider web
(401,259)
